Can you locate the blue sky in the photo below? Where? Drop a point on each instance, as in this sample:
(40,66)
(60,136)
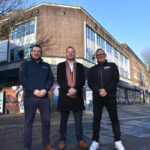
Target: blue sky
(128,21)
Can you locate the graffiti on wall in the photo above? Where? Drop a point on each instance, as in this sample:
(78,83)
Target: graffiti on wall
(14,102)
(128,96)
(121,96)
(133,96)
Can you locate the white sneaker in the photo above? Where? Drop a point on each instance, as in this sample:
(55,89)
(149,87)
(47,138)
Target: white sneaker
(119,146)
(94,145)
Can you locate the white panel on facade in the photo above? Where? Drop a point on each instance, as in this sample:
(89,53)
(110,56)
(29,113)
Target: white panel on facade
(3,50)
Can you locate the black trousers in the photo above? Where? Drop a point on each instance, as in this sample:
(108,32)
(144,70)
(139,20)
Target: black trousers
(111,106)
(78,125)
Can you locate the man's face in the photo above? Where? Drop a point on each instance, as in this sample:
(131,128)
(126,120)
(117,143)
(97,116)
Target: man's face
(70,54)
(36,53)
(100,56)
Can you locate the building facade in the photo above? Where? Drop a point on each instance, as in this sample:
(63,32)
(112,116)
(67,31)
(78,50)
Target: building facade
(55,27)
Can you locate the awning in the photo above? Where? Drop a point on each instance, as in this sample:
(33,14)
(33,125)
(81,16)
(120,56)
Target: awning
(10,75)
(125,84)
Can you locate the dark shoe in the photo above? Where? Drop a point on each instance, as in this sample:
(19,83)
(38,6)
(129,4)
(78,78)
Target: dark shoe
(81,144)
(48,147)
(62,145)
(26,149)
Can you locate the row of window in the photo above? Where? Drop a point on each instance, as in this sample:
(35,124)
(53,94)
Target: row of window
(23,30)
(100,42)
(123,72)
(108,48)
(111,51)
(90,34)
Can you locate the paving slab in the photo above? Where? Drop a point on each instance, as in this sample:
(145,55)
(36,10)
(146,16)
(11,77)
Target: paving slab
(134,121)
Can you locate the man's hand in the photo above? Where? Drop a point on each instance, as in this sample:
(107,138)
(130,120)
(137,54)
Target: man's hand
(42,93)
(69,94)
(102,92)
(36,92)
(39,93)
(72,91)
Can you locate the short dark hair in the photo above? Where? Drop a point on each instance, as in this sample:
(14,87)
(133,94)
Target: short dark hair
(100,49)
(70,47)
(36,45)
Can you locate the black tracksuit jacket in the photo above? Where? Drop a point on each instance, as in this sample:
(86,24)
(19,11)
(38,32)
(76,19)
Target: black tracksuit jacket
(103,76)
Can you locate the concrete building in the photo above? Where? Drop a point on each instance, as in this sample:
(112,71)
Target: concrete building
(55,27)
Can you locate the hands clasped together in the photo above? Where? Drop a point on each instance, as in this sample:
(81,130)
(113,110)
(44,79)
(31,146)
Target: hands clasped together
(39,93)
(72,93)
(102,92)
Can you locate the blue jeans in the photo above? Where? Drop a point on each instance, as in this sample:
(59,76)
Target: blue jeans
(30,105)
(78,125)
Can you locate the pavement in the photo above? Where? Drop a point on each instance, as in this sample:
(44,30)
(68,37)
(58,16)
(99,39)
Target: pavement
(134,122)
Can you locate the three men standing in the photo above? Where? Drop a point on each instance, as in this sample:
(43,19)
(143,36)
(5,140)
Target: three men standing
(71,78)
(37,78)
(103,79)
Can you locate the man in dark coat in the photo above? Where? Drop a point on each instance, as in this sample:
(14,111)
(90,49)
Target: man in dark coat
(71,78)
(103,79)
(37,79)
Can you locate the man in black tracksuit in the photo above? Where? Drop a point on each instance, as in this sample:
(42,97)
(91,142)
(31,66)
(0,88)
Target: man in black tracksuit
(37,79)
(103,79)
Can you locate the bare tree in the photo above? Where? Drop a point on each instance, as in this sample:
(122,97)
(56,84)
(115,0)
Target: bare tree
(10,14)
(7,6)
(146,57)
(8,22)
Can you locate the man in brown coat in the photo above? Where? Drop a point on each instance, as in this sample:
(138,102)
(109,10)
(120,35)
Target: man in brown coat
(70,76)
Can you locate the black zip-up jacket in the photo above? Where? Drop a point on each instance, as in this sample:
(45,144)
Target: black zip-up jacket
(34,75)
(103,76)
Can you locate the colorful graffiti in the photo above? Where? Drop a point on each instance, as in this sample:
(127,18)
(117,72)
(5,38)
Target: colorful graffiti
(14,102)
